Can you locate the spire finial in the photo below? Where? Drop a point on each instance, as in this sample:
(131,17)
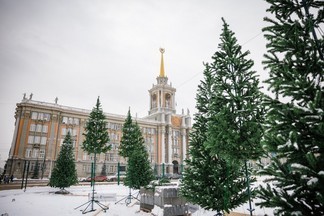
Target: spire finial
(162,50)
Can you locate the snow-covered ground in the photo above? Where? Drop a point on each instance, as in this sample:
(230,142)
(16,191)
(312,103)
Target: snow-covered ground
(43,201)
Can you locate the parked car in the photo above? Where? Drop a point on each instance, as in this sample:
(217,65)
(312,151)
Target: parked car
(83,179)
(97,179)
(114,177)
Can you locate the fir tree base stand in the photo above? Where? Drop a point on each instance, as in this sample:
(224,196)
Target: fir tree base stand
(93,201)
(129,197)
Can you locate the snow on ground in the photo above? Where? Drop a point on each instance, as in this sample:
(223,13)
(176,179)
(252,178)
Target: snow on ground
(43,201)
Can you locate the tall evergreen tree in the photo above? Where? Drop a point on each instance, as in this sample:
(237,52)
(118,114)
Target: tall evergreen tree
(130,139)
(236,107)
(295,126)
(96,142)
(139,172)
(64,173)
(96,132)
(226,132)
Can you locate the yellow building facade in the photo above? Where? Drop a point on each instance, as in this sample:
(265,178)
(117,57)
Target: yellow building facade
(41,127)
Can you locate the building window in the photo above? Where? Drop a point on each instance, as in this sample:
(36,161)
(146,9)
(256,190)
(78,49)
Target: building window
(45,128)
(113,126)
(76,121)
(43,140)
(38,128)
(35,153)
(28,153)
(40,116)
(86,168)
(73,132)
(32,127)
(34,115)
(73,143)
(64,120)
(70,120)
(91,157)
(30,139)
(42,153)
(37,139)
(47,116)
(84,156)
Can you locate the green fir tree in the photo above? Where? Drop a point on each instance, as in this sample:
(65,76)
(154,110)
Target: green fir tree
(139,172)
(64,173)
(130,139)
(295,125)
(236,109)
(96,132)
(227,129)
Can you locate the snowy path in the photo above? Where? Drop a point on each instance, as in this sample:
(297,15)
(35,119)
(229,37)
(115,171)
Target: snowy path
(43,201)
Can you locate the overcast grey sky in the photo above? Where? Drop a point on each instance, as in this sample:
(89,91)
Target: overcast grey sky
(77,50)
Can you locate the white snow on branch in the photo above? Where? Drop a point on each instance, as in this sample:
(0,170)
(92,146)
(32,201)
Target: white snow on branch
(321,172)
(312,181)
(296,213)
(299,166)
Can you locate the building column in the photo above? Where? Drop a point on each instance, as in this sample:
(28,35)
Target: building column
(184,145)
(162,144)
(14,139)
(170,146)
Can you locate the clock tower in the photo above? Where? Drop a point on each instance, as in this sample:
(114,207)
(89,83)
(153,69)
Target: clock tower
(172,128)
(162,95)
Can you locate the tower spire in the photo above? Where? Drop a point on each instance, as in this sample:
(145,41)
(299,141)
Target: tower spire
(162,50)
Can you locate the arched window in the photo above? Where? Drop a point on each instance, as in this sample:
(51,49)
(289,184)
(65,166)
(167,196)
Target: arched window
(168,100)
(175,167)
(154,101)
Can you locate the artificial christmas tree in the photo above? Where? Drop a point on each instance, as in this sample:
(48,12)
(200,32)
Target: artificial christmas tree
(139,172)
(64,173)
(295,126)
(227,129)
(131,139)
(96,142)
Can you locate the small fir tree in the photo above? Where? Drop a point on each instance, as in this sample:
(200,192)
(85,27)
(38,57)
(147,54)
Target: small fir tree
(139,172)
(295,126)
(64,173)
